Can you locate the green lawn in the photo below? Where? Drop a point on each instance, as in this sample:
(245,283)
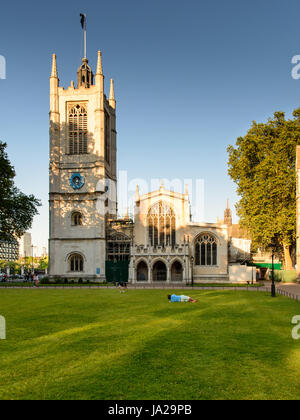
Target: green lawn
(101,344)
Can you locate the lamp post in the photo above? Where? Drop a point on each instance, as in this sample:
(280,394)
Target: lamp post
(32,259)
(192,265)
(25,268)
(273,288)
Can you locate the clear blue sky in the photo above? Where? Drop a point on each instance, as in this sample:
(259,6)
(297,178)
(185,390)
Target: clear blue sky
(189,79)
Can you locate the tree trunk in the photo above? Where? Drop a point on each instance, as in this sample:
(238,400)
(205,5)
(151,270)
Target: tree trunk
(288,265)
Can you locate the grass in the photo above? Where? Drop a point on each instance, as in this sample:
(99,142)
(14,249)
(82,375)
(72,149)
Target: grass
(102,344)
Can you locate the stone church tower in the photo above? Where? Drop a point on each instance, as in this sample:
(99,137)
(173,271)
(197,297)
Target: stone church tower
(82,169)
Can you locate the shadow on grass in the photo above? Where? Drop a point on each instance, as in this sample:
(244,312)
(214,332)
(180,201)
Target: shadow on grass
(229,345)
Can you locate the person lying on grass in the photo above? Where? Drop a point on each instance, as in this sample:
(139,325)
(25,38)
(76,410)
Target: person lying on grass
(181,298)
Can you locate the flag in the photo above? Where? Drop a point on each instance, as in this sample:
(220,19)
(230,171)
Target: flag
(82,20)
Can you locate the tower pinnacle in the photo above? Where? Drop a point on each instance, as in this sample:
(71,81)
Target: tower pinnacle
(228,215)
(112,101)
(99,64)
(54,69)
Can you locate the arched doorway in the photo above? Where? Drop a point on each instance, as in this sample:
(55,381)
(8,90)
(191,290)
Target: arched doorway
(176,271)
(142,271)
(159,271)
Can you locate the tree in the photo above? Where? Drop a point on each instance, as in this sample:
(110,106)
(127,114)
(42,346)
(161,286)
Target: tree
(16,209)
(43,263)
(263,166)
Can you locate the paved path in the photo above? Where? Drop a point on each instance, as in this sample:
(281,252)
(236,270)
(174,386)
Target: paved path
(144,287)
(291,290)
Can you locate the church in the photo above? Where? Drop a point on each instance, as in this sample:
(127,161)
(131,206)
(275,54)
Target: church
(87,241)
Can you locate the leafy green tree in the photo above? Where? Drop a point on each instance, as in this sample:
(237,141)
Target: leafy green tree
(263,166)
(13,266)
(16,209)
(43,263)
(3,265)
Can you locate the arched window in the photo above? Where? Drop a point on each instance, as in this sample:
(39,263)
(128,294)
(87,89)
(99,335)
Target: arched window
(76,219)
(162,225)
(77,130)
(206,250)
(75,263)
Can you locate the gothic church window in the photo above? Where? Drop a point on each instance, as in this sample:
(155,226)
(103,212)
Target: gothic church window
(206,249)
(78,134)
(75,263)
(162,225)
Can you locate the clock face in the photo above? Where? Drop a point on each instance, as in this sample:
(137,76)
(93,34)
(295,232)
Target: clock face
(76,181)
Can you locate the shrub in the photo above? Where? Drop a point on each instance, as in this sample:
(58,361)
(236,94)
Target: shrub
(45,280)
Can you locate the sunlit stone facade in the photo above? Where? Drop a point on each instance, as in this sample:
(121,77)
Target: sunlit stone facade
(82,158)
(87,241)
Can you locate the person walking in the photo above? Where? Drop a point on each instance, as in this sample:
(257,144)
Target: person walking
(36,279)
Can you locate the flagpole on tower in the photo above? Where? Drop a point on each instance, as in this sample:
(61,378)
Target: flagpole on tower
(83,25)
(85,36)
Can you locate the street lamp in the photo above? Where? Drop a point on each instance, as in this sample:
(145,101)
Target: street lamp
(273,288)
(32,259)
(192,264)
(25,268)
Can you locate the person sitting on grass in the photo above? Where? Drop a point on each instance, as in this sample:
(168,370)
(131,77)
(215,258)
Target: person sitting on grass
(181,298)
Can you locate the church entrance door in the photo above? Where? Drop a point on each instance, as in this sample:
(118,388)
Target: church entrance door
(159,271)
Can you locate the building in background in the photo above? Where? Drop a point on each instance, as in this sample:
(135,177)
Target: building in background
(9,250)
(44,252)
(25,243)
(239,250)
(35,251)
